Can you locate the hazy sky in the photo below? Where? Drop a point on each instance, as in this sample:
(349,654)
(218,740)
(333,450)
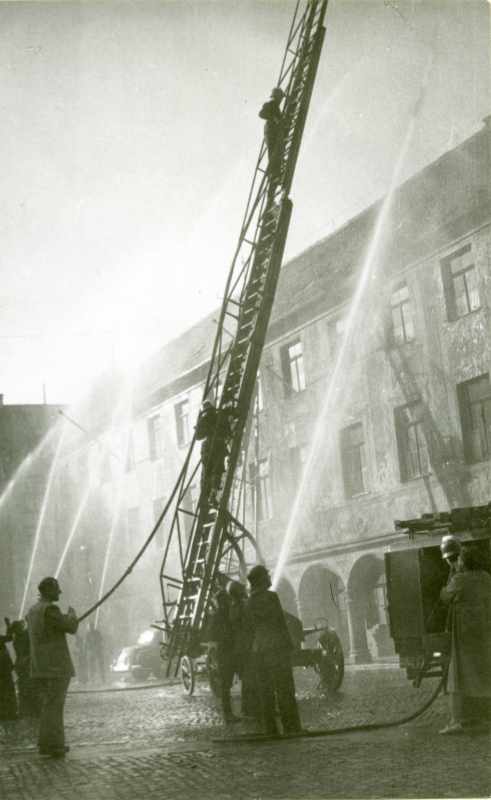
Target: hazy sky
(128,141)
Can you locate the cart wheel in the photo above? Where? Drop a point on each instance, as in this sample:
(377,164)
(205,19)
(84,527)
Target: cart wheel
(187,674)
(331,666)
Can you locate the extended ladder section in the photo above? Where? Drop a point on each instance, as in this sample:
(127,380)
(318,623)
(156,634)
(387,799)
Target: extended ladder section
(203,531)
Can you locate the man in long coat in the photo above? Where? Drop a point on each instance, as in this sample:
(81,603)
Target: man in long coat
(222,643)
(469,678)
(271,653)
(29,701)
(51,664)
(243,636)
(8,700)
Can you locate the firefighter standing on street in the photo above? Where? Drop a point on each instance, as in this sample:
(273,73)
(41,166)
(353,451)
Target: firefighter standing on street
(222,651)
(271,654)
(28,695)
(8,700)
(51,664)
(243,636)
(468,593)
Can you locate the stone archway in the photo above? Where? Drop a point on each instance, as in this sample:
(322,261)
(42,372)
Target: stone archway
(321,596)
(369,632)
(288,600)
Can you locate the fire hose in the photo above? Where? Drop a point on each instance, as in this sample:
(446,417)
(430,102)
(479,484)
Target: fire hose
(317,733)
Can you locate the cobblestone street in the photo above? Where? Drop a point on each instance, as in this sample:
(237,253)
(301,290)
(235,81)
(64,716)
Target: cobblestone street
(157,742)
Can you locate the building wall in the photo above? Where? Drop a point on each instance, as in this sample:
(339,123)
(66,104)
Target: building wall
(334,567)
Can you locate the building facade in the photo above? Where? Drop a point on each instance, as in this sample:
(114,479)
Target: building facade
(365,414)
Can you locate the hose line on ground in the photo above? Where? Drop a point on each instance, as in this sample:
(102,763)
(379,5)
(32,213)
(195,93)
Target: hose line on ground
(372,726)
(112,689)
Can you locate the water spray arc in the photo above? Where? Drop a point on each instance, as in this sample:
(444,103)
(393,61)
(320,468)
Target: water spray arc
(26,463)
(115,514)
(42,514)
(94,469)
(74,528)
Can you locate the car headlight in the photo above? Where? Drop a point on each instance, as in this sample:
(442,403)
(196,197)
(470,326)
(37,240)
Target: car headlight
(146,637)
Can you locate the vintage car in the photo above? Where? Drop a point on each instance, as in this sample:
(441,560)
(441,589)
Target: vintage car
(141,660)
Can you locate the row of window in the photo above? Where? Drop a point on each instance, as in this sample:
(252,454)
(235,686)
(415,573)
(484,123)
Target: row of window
(414,430)
(413,433)
(462,297)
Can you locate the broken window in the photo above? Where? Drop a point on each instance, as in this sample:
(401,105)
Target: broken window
(475,414)
(402,315)
(354,461)
(414,460)
(292,366)
(461,283)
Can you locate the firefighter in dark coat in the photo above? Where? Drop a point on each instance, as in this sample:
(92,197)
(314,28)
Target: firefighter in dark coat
(468,593)
(213,429)
(450,549)
(273,130)
(222,654)
(243,636)
(8,700)
(29,700)
(51,664)
(271,649)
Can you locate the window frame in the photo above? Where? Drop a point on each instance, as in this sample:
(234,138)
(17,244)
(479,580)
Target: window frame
(263,511)
(401,306)
(347,453)
(449,278)
(466,406)
(403,436)
(155,438)
(293,368)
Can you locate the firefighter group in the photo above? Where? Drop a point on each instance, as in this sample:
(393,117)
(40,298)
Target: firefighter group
(247,637)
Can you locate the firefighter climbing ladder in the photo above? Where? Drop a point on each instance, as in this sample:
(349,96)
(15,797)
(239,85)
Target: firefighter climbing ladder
(199,539)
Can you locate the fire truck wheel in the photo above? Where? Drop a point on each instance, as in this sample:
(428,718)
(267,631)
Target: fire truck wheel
(331,666)
(187,674)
